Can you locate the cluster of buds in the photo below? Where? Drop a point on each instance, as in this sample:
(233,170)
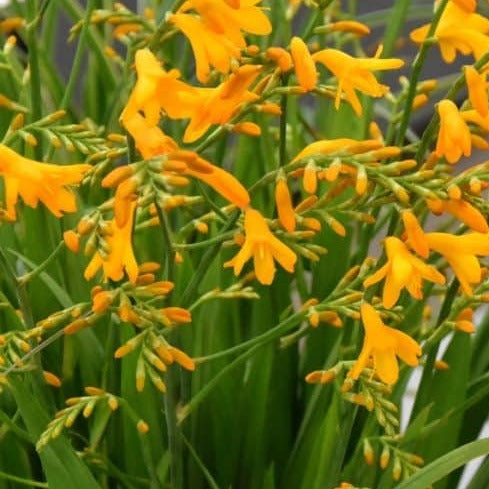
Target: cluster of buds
(155,354)
(73,137)
(372,394)
(403,463)
(83,405)
(124,21)
(136,303)
(15,345)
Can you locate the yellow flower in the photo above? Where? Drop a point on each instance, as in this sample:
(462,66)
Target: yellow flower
(402,270)
(215,36)
(217,105)
(415,234)
(156,91)
(264,247)
(355,74)
(120,257)
(36,182)
(454,135)
(383,344)
(459,29)
(462,210)
(477,86)
(305,69)
(460,252)
(150,140)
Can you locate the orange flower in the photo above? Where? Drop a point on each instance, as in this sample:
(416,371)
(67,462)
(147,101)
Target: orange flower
(477,86)
(355,74)
(462,210)
(402,270)
(383,344)
(264,247)
(454,135)
(415,234)
(305,68)
(38,182)
(215,36)
(120,257)
(218,105)
(459,29)
(157,91)
(460,252)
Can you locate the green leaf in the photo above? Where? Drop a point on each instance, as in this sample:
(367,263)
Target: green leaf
(441,467)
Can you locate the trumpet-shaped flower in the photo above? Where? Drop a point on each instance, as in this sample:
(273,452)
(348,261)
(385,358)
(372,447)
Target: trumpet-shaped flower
(460,252)
(157,91)
(356,74)
(120,256)
(462,210)
(454,135)
(477,86)
(402,270)
(459,29)
(383,344)
(218,105)
(36,182)
(216,34)
(261,245)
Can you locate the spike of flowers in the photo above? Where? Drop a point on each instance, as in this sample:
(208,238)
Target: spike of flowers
(261,245)
(383,344)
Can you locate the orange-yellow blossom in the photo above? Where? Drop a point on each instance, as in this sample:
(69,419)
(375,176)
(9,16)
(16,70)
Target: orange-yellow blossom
(415,234)
(157,91)
(459,29)
(462,210)
(217,105)
(36,182)
(216,34)
(261,245)
(454,135)
(460,253)
(120,256)
(383,344)
(477,86)
(356,74)
(305,69)
(402,270)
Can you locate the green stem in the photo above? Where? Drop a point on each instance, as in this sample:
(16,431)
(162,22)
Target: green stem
(417,67)
(34,68)
(282,160)
(424,393)
(21,480)
(40,268)
(167,238)
(188,294)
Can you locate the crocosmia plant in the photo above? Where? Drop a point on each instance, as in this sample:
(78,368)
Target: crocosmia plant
(244,244)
